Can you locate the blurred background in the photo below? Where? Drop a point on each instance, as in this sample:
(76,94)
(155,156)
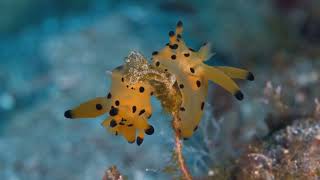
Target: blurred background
(54,55)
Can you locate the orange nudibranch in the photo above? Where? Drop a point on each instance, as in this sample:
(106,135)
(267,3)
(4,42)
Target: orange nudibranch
(193,75)
(128,102)
(128,106)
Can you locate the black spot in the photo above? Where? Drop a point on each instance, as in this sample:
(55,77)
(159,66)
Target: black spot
(109,96)
(141,89)
(151,94)
(150,130)
(205,43)
(122,123)
(174,46)
(117,103)
(127,86)
(123,120)
(149,116)
(182,109)
(141,112)
(122,79)
(139,141)
(191,49)
(132,88)
(68,114)
(113,123)
(167,44)
(116,133)
(134,108)
(185,139)
(154,53)
(179,24)
(166,70)
(181,86)
(186,54)
(195,128)
(239,95)
(171,33)
(192,70)
(202,105)
(130,125)
(179,36)
(157,63)
(99,106)
(173,57)
(250,76)
(198,83)
(113,111)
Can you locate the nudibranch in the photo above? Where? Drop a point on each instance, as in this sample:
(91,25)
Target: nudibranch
(128,102)
(177,76)
(192,76)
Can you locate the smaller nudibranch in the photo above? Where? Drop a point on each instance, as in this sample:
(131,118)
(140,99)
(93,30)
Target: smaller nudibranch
(192,76)
(128,105)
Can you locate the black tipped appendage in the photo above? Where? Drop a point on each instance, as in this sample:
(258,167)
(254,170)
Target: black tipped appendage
(250,76)
(113,111)
(139,141)
(171,33)
(239,95)
(68,114)
(179,24)
(113,123)
(150,130)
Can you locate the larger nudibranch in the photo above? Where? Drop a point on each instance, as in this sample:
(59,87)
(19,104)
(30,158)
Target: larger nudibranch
(178,78)
(192,76)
